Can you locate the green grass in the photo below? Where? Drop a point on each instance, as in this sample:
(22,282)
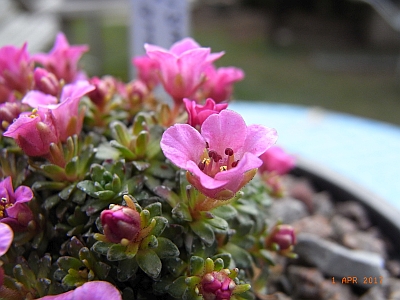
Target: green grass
(274,75)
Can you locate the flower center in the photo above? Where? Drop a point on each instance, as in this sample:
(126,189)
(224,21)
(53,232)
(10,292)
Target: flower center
(211,162)
(3,207)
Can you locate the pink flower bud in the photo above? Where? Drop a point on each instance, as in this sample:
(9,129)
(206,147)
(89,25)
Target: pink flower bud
(46,82)
(275,159)
(216,286)
(120,222)
(281,236)
(104,89)
(197,114)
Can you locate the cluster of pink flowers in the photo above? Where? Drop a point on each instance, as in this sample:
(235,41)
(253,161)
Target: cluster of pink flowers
(186,70)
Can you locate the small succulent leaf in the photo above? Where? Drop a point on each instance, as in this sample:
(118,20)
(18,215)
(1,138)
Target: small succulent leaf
(74,246)
(68,262)
(101,247)
(267,256)
(166,248)
(102,269)
(226,258)
(88,187)
(66,192)
(20,274)
(251,210)
(161,170)
(95,205)
(125,152)
(73,280)
(116,252)
(96,172)
(241,257)
(48,185)
(196,266)
(71,167)
(44,266)
(149,262)
(218,222)
(154,209)
(175,266)
(141,143)
(203,231)
(54,170)
(177,288)
(116,184)
(181,212)
(51,202)
(160,226)
(78,197)
(126,269)
(105,195)
(226,212)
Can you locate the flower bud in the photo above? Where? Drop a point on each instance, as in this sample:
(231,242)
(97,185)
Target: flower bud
(120,222)
(275,159)
(46,82)
(281,238)
(217,285)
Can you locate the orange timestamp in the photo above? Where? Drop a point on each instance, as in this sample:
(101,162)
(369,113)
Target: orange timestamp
(355,280)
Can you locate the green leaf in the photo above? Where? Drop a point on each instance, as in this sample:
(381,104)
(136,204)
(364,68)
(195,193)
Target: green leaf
(218,222)
(226,212)
(160,226)
(204,231)
(68,262)
(177,288)
(181,212)
(164,192)
(101,270)
(101,247)
(48,185)
(226,258)
(241,257)
(149,262)
(125,152)
(175,266)
(88,187)
(196,266)
(161,170)
(116,252)
(105,195)
(51,202)
(66,192)
(126,269)
(166,248)
(154,209)
(71,167)
(73,280)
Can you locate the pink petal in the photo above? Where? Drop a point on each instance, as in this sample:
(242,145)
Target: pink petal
(6,237)
(184,45)
(259,139)
(182,143)
(223,130)
(99,290)
(23,194)
(206,181)
(36,99)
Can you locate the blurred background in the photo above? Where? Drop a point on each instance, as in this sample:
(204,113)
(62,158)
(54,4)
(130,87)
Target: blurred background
(341,55)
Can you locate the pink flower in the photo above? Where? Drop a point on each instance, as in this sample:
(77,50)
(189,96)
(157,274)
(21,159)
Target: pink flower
(217,286)
(219,83)
(6,237)
(147,69)
(182,67)
(197,113)
(99,290)
(63,59)
(120,222)
(34,132)
(13,209)
(281,238)
(67,118)
(275,159)
(223,158)
(16,68)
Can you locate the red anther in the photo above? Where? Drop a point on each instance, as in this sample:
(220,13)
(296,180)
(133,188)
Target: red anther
(228,151)
(201,165)
(235,163)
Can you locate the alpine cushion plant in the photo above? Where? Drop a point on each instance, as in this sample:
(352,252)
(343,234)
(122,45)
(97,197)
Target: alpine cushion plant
(107,192)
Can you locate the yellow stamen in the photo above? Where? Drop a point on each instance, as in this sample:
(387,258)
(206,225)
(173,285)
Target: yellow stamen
(223,168)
